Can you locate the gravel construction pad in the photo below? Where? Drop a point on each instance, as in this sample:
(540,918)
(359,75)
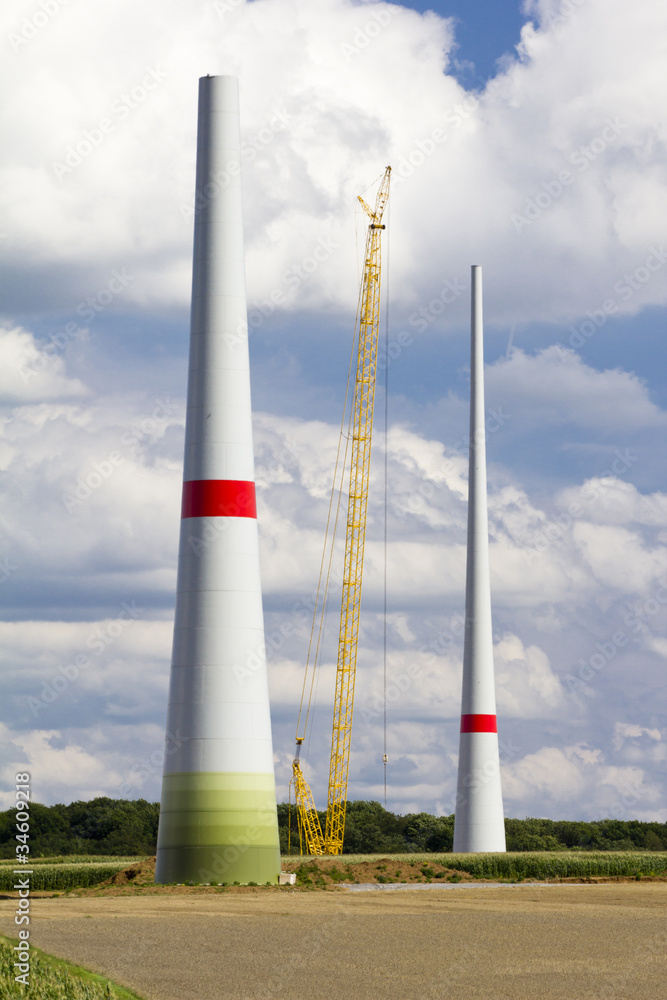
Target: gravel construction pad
(606,942)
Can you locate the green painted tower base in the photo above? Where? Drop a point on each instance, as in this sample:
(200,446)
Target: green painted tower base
(218,827)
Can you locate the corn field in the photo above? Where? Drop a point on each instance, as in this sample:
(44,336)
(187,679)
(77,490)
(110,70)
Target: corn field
(70,859)
(531,865)
(556,864)
(62,875)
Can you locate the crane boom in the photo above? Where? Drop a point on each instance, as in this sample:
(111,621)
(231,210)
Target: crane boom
(361,426)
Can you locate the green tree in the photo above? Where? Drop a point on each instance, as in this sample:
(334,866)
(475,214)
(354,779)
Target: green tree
(425,832)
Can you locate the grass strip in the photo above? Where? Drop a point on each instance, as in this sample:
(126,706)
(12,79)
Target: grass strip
(54,978)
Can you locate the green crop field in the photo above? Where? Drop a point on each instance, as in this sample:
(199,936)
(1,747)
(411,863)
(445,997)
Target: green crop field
(63,874)
(557,864)
(71,859)
(527,864)
(54,979)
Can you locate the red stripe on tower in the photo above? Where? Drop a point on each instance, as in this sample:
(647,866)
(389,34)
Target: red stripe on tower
(218,498)
(479,724)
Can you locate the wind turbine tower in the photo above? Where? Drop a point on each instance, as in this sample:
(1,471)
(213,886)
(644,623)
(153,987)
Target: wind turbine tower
(479,823)
(218,819)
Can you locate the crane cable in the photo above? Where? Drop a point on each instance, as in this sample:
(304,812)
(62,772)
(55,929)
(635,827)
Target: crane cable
(385,758)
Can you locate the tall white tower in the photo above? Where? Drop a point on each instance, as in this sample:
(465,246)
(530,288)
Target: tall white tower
(218,818)
(479,823)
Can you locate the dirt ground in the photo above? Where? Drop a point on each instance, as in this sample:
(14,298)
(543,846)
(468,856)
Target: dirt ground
(527,942)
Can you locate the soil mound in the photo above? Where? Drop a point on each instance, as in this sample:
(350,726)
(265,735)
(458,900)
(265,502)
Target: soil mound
(141,872)
(320,872)
(311,873)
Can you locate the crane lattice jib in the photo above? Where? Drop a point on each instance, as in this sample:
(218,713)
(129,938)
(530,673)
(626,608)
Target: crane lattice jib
(310,830)
(362,426)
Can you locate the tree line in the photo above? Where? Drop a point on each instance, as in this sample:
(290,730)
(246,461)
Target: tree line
(101,826)
(129,827)
(371,829)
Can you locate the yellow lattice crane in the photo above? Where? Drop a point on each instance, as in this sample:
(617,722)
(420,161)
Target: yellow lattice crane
(361,427)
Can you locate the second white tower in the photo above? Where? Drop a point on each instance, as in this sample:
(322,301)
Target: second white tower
(479,822)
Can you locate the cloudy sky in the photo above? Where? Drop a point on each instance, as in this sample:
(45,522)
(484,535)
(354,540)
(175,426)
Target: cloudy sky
(526,138)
